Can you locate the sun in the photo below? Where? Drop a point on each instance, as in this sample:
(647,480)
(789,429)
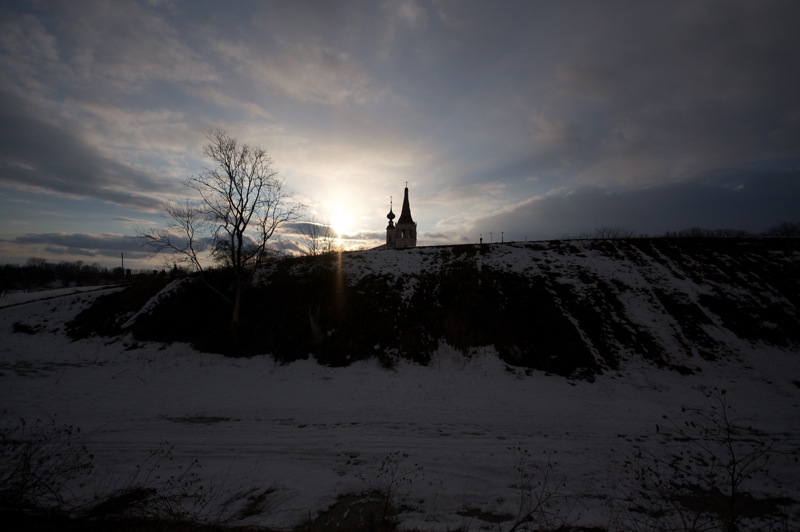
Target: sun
(341,221)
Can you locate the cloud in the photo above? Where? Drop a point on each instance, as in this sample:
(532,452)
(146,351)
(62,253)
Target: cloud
(305,72)
(136,221)
(749,199)
(364,239)
(39,155)
(27,47)
(466,193)
(599,95)
(428,238)
(689,95)
(304,228)
(97,50)
(100,246)
(125,48)
(462,203)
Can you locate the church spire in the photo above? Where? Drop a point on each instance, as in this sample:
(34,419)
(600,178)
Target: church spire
(405,214)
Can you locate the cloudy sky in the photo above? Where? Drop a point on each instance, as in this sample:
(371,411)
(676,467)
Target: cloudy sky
(533,119)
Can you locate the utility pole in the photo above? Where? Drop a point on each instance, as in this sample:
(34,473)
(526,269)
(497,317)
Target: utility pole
(491,237)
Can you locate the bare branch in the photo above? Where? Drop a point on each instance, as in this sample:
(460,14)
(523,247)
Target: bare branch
(182,235)
(242,204)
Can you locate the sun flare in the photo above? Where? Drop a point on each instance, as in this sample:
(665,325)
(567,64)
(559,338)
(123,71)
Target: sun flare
(341,222)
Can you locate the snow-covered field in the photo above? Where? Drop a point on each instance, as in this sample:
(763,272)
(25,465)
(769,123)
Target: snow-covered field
(313,433)
(20,297)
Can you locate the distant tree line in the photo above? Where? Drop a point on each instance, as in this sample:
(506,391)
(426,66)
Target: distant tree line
(784,229)
(781,229)
(38,274)
(605,232)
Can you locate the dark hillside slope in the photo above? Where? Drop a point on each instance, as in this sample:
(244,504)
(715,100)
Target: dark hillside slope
(574,308)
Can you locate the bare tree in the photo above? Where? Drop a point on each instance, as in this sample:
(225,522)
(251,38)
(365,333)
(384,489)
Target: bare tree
(242,203)
(317,237)
(784,228)
(606,232)
(699,232)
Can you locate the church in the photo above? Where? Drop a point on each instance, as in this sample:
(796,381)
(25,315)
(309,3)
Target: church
(402,235)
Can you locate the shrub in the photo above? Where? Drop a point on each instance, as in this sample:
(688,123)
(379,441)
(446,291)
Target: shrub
(39,462)
(701,484)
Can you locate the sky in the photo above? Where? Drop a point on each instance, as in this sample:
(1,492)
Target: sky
(507,119)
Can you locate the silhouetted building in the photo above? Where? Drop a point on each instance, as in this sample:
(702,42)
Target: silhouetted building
(403,235)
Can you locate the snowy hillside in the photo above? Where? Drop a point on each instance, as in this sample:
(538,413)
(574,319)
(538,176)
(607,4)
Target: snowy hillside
(574,308)
(475,438)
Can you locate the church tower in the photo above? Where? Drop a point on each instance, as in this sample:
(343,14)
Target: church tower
(406,230)
(402,235)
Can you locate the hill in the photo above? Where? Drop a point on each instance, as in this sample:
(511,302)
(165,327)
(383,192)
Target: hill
(574,308)
(686,351)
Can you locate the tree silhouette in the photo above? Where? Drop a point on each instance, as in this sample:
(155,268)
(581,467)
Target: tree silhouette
(241,205)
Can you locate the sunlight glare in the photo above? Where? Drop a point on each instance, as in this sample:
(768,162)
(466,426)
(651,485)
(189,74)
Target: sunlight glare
(341,222)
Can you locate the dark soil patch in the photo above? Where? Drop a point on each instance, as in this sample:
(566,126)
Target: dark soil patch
(352,513)
(200,420)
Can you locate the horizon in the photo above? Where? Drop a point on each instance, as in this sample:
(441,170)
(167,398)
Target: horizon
(603,233)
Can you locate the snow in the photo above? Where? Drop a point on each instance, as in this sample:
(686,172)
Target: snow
(21,297)
(163,294)
(314,433)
